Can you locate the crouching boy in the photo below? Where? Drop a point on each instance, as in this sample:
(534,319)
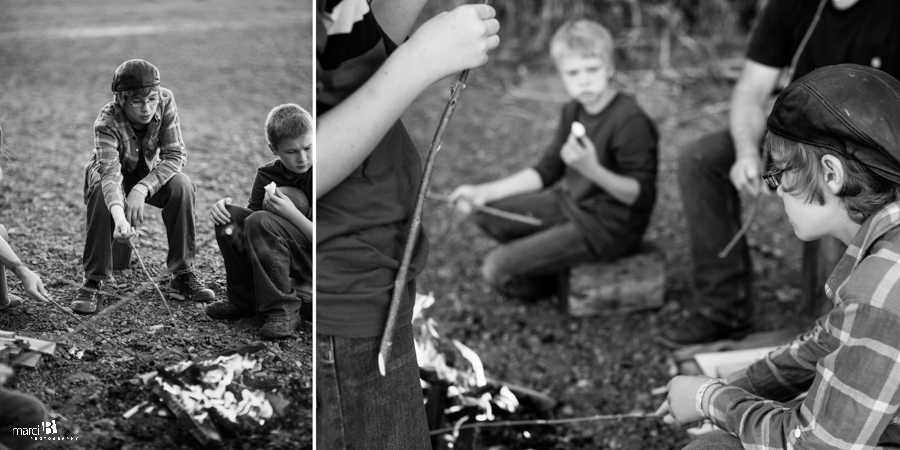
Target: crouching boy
(835,150)
(138,156)
(593,190)
(269,243)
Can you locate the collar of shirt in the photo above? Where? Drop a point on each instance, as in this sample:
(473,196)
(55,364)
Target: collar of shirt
(293,177)
(872,230)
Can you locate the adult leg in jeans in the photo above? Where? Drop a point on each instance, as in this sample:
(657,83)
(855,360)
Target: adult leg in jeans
(715,441)
(19,411)
(238,270)
(713,210)
(357,408)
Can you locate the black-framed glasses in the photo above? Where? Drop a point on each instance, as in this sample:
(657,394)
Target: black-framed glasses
(773,177)
(138,102)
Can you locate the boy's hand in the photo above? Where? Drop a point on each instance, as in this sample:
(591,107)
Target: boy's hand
(33,285)
(218,214)
(468,197)
(134,207)
(124,232)
(457,40)
(279,204)
(745,174)
(680,406)
(579,154)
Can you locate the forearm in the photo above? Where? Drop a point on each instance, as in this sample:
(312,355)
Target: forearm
(7,256)
(622,188)
(301,222)
(396,17)
(747,121)
(521,182)
(372,110)
(118,214)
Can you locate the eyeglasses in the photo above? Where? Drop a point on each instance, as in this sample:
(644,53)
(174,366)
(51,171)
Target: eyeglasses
(138,102)
(773,177)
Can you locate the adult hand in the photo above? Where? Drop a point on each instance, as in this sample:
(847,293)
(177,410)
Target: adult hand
(681,402)
(124,232)
(279,204)
(457,40)
(468,197)
(33,285)
(219,214)
(134,207)
(745,174)
(579,154)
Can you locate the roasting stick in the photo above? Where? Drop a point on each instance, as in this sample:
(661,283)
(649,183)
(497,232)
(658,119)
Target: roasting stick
(387,339)
(515,217)
(512,423)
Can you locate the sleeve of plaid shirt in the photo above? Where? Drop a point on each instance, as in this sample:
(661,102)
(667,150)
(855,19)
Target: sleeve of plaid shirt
(106,146)
(853,363)
(171,148)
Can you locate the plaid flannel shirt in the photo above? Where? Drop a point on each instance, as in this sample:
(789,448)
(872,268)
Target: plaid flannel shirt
(117,150)
(849,363)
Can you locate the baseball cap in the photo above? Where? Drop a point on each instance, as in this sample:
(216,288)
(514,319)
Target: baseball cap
(852,109)
(135,74)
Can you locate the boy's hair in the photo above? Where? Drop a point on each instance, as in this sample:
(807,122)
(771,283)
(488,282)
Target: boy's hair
(864,193)
(285,122)
(583,37)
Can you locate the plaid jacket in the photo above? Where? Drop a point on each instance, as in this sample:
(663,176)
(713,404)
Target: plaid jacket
(117,151)
(849,363)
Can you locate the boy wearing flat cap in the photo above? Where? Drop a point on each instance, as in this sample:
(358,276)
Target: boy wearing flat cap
(137,158)
(835,145)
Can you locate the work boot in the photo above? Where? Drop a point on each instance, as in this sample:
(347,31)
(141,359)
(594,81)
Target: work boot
(192,288)
(13,301)
(698,329)
(224,309)
(88,297)
(279,327)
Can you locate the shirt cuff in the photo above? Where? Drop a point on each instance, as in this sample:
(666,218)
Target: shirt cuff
(142,189)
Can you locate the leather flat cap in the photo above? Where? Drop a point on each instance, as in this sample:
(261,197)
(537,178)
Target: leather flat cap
(135,74)
(852,109)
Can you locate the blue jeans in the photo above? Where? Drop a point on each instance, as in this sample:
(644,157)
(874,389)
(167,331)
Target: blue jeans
(715,441)
(533,261)
(262,253)
(19,411)
(712,208)
(175,198)
(357,408)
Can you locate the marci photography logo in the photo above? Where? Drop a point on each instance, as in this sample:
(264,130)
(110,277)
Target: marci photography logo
(45,432)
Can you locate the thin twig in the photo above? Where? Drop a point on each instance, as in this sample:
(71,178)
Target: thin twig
(387,339)
(163,297)
(515,217)
(514,423)
(750,216)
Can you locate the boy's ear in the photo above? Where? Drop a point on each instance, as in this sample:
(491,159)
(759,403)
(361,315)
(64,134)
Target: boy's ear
(833,171)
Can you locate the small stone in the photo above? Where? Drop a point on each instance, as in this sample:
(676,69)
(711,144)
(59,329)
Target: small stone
(49,391)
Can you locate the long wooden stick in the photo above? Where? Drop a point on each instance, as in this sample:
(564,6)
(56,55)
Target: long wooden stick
(515,217)
(387,339)
(513,423)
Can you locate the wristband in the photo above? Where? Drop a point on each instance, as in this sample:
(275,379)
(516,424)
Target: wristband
(698,400)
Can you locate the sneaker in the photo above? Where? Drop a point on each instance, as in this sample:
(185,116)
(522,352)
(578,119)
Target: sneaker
(191,287)
(224,309)
(698,329)
(279,327)
(88,296)
(14,301)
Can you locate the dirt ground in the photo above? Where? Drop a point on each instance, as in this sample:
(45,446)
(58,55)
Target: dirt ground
(602,365)
(228,63)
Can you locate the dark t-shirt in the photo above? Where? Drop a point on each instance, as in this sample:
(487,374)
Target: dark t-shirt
(626,142)
(362,223)
(275,171)
(868,33)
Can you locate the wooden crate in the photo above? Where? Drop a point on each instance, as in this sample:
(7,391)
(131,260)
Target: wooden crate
(629,284)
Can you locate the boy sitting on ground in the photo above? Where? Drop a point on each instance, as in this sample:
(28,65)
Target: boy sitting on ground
(138,156)
(835,150)
(269,242)
(593,193)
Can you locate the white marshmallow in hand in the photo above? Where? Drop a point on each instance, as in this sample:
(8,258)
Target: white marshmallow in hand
(578,130)
(270,188)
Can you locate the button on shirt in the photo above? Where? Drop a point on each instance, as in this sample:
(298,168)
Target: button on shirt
(849,363)
(117,149)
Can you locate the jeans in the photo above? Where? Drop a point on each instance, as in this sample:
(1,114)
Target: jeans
(175,198)
(533,261)
(262,253)
(357,408)
(19,411)
(712,208)
(715,441)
